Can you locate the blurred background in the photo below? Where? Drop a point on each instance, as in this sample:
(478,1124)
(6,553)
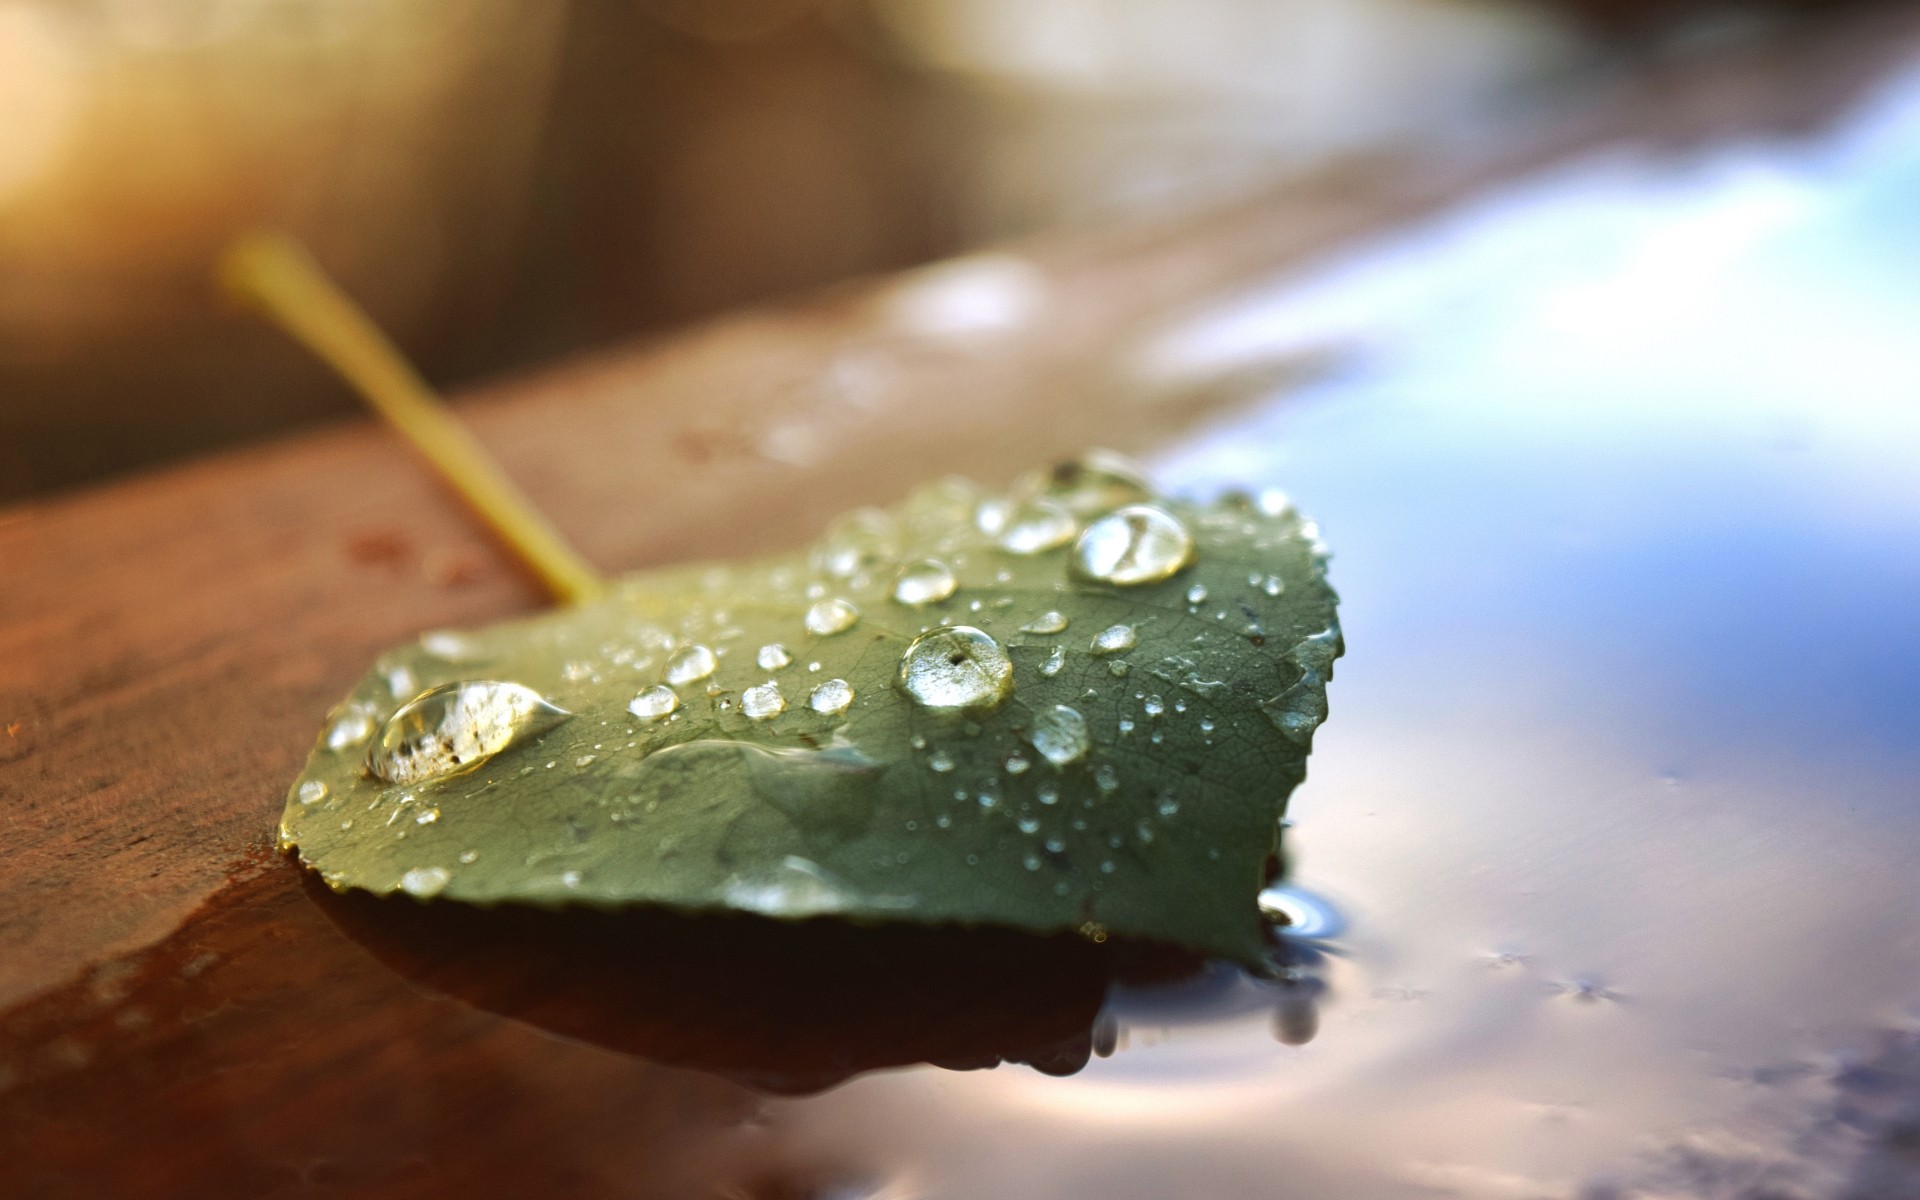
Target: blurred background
(503,183)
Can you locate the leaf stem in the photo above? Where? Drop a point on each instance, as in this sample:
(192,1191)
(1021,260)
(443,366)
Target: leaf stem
(275,274)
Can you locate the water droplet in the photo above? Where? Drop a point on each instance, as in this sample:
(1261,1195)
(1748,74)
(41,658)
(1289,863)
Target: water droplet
(941,761)
(832,697)
(1197,594)
(1115,639)
(957,668)
(448,646)
(773,656)
(763,703)
(312,792)
(469,856)
(1036,527)
(1029,824)
(425,882)
(1106,779)
(1273,585)
(428,817)
(1126,725)
(1031,862)
(353,728)
(454,726)
(1153,706)
(1047,622)
(1059,733)
(864,538)
(927,581)
(1046,793)
(1099,480)
(1016,765)
(570,879)
(654,703)
(832,616)
(690,665)
(1054,662)
(1137,544)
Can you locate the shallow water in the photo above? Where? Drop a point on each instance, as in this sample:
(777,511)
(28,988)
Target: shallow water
(1620,799)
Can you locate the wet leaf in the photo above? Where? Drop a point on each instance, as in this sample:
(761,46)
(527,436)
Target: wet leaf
(951,713)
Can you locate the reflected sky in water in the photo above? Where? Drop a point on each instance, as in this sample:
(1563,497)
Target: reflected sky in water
(1620,798)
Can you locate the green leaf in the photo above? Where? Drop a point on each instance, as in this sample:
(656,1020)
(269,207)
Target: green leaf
(1078,706)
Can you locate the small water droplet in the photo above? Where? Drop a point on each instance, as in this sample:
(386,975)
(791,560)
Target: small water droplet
(1047,622)
(832,697)
(428,817)
(957,668)
(1106,779)
(831,616)
(1046,793)
(469,856)
(763,703)
(773,656)
(1031,862)
(1197,594)
(942,762)
(312,792)
(1029,824)
(1153,706)
(1126,725)
(1016,765)
(1115,639)
(654,703)
(1054,662)
(456,726)
(1273,585)
(864,538)
(425,882)
(570,879)
(448,646)
(927,581)
(690,665)
(353,728)
(1059,733)
(1037,526)
(1137,544)
(1099,480)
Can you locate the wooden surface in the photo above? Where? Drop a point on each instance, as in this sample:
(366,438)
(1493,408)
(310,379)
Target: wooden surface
(169,644)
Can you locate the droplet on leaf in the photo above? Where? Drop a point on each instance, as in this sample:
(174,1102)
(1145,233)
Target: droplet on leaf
(1046,622)
(832,697)
(1115,639)
(829,617)
(1139,544)
(1036,527)
(1059,733)
(957,668)
(773,656)
(656,702)
(425,882)
(927,581)
(690,665)
(454,727)
(763,703)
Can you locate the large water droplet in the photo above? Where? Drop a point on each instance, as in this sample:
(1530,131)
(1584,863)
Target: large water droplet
(425,882)
(1115,639)
(957,668)
(454,726)
(690,665)
(928,581)
(1059,733)
(833,616)
(1037,526)
(763,703)
(654,703)
(773,656)
(1137,544)
(832,697)
(1054,662)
